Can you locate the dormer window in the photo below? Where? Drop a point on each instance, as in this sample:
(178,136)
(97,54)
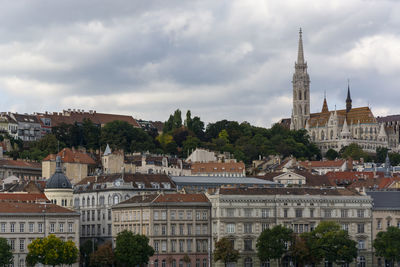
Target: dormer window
(155,185)
(140,185)
(166,185)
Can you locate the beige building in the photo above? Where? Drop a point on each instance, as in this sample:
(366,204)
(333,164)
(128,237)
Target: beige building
(385,213)
(75,164)
(22,222)
(241,215)
(114,162)
(178,226)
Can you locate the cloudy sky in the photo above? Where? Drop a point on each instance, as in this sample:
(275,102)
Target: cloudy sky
(220,59)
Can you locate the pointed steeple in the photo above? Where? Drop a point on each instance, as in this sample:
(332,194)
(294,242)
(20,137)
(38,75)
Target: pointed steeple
(300,53)
(348,99)
(387,165)
(325,105)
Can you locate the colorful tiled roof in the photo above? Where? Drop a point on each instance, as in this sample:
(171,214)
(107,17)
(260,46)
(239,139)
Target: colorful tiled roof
(355,115)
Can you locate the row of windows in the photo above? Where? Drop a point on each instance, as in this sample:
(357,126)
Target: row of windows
(34,227)
(388,224)
(180,215)
(200,229)
(181,245)
(91,215)
(91,202)
(90,230)
(23,243)
(298,212)
(181,263)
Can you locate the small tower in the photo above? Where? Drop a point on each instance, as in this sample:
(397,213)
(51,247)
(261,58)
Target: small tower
(325,106)
(301,89)
(387,166)
(58,187)
(348,99)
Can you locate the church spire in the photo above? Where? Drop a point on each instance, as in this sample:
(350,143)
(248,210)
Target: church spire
(300,53)
(325,105)
(348,99)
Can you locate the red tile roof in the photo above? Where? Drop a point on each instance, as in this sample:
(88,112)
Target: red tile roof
(71,156)
(323,164)
(218,167)
(170,198)
(25,208)
(70,117)
(20,164)
(312,180)
(23,197)
(287,191)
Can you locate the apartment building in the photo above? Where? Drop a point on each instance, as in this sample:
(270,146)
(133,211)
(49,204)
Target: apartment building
(241,214)
(178,226)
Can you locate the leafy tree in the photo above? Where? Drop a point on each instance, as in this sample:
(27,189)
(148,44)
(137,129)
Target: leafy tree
(104,256)
(91,134)
(353,151)
(225,252)
(41,148)
(381,153)
(6,255)
(304,249)
(51,250)
(189,144)
(174,122)
(272,243)
(164,140)
(334,244)
(394,159)
(331,154)
(87,248)
(131,249)
(387,244)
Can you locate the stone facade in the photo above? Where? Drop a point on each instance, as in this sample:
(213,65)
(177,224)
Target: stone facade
(178,227)
(242,214)
(21,223)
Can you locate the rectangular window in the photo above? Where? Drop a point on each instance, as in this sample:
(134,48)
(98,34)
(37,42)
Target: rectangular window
(173,245)
(93,215)
(230,212)
(180,215)
(189,229)
(198,246)
(379,225)
(204,229)
(156,229)
(156,215)
(163,215)
(360,228)
(264,226)
(109,215)
(156,246)
(285,213)
(198,215)
(40,227)
(361,244)
(61,227)
(21,227)
(248,213)
(189,215)
(109,229)
(173,229)
(248,245)
(204,217)
(205,246)
(98,214)
(248,228)
(360,213)
(180,245)
(52,228)
(327,213)
(163,245)
(172,215)
(344,213)
(88,216)
(22,244)
(163,229)
(12,244)
(181,229)
(230,228)
(70,227)
(299,213)
(265,213)
(189,245)
(3,227)
(198,229)
(311,213)
(31,227)
(83,216)
(12,227)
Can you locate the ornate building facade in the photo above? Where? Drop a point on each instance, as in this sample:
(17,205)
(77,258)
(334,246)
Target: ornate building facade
(334,129)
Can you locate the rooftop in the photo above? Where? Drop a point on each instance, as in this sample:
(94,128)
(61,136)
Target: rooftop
(25,208)
(287,191)
(385,199)
(71,156)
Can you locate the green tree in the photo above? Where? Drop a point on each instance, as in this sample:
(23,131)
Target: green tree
(381,153)
(225,252)
(394,158)
(6,255)
(103,257)
(87,248)
(353,151)
(387,244)
(51,250)
(331,154)
(91,134)
(304,249)
(273,243)
(131,249)
(335,244)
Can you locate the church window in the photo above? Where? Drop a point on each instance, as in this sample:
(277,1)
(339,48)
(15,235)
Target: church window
(299,95)
(370,130)
(300,111)
(322,135)
(331,134)
(313,136)
(305,95)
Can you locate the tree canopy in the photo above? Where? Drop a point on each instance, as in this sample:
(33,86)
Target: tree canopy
(225,252)
(132,249)
(6,255)
(387,244)
(51,250)
(103,256)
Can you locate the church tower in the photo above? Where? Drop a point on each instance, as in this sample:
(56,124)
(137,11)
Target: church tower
(348,99)
(301,90)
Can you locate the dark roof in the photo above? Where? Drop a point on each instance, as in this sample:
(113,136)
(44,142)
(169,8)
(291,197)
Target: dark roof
(170,198)
(312,180)
(58,180)
(388,118)
(287,191)
(385,199)
(25,208)
(25,118)
(69,155)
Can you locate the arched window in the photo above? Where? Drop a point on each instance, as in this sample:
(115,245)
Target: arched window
(155,263)
(204,262)
(265,264)
(248,262)
(83,202)
(300,110)
(76,202)
(88,201)
(305,95)
(109,200)
(93,202)
(180,263)
(173,263)
(322,135)
(313,136)
(370,130)
(163,263)
(299,95)
(331,134)
(126,197)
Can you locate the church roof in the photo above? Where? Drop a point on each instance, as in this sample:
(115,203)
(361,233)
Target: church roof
(355,115)
(58,180)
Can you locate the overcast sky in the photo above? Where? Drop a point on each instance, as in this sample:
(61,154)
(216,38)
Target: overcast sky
(220,59)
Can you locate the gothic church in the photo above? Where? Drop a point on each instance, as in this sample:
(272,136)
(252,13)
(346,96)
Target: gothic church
(336,128)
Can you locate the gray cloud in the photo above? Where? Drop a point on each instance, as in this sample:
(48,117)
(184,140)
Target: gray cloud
(220,59)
